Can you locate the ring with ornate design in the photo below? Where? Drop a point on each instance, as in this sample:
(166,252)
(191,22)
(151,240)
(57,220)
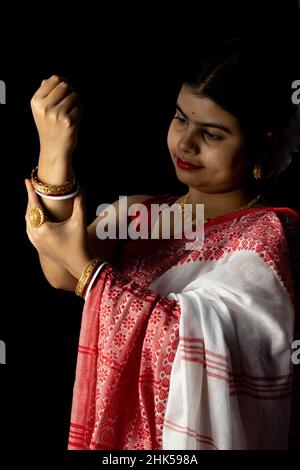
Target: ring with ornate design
(37,217)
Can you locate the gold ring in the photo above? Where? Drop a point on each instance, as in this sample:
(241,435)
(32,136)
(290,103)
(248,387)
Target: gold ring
(37,217)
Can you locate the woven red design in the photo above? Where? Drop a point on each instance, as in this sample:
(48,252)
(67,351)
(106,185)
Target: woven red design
(258,230)
(127,393)
(129,334)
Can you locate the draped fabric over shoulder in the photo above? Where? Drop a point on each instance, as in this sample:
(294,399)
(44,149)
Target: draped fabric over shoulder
(192,349)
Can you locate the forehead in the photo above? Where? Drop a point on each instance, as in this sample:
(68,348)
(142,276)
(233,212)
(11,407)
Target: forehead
(202,109)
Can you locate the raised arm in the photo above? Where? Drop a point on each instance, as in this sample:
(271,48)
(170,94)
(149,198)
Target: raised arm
(56,111)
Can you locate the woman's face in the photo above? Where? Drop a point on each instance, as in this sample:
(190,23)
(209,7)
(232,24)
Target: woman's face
(205,135)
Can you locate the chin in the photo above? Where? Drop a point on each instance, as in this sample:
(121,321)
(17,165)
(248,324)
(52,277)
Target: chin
(186,178)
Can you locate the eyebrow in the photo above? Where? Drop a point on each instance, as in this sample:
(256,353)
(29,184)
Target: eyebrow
(206,124)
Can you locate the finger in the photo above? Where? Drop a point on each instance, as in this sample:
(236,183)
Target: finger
(57,95)
(30,234)
(33,200)
(69,102)
(48,85)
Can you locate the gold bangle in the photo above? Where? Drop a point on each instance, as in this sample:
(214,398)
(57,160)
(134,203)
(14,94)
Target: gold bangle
(86,276)
(51,188)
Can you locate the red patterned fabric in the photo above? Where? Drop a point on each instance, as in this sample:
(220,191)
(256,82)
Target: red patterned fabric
(130,333)
(128,340)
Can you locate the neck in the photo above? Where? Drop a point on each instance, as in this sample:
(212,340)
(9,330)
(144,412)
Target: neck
(221,203)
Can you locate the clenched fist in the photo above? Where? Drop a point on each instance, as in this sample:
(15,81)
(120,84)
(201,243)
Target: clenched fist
(56,111)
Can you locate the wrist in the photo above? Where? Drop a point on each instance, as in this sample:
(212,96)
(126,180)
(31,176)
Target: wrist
(55,170)
(57,165)
(78,267)
(55,155)
(88,276)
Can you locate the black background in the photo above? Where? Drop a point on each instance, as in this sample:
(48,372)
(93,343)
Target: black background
(124,65)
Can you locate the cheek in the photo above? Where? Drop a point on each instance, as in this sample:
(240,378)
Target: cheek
(171,137)
(236,171)
(236,157)
(226,163)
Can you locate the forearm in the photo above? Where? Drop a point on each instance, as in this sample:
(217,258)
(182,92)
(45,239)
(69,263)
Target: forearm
(58,277)
(56,171)
(56,111)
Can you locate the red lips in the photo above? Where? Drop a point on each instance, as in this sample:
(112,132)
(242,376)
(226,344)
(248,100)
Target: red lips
(186,165)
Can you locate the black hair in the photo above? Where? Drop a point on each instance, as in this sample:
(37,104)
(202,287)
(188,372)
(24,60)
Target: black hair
(250,80)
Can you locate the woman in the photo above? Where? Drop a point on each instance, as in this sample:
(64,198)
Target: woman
(178,349)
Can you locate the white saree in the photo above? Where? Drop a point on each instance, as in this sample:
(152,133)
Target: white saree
(231,379)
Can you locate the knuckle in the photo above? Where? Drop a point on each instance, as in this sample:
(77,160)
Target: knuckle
(66,120)
(39,105)
(72,121)
(67,123)
(52,115)
(33,101)
(41,231)
(55,78)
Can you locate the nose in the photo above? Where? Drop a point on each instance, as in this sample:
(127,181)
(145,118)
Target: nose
(187,144)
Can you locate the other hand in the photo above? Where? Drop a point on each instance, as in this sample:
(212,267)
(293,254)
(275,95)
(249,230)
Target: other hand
(66,243)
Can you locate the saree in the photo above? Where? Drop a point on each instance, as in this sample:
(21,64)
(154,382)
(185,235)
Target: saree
(191,349)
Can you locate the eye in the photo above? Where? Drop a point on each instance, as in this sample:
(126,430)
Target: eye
(210,136)
(179,118)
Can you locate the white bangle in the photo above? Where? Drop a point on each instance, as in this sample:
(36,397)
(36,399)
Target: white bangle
(93,279)
(58,198)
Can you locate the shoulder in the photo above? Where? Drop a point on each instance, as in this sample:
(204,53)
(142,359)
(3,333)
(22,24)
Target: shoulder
(262,225)
(258,221)
(255,233)
(258,230)
(116,210)
(120,206)
(288,216)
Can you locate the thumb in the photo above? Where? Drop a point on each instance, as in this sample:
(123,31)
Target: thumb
(33,199)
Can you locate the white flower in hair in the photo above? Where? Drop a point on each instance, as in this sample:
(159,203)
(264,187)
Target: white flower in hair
(288,144)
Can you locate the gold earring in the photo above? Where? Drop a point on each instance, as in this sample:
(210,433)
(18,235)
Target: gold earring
(257,172)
